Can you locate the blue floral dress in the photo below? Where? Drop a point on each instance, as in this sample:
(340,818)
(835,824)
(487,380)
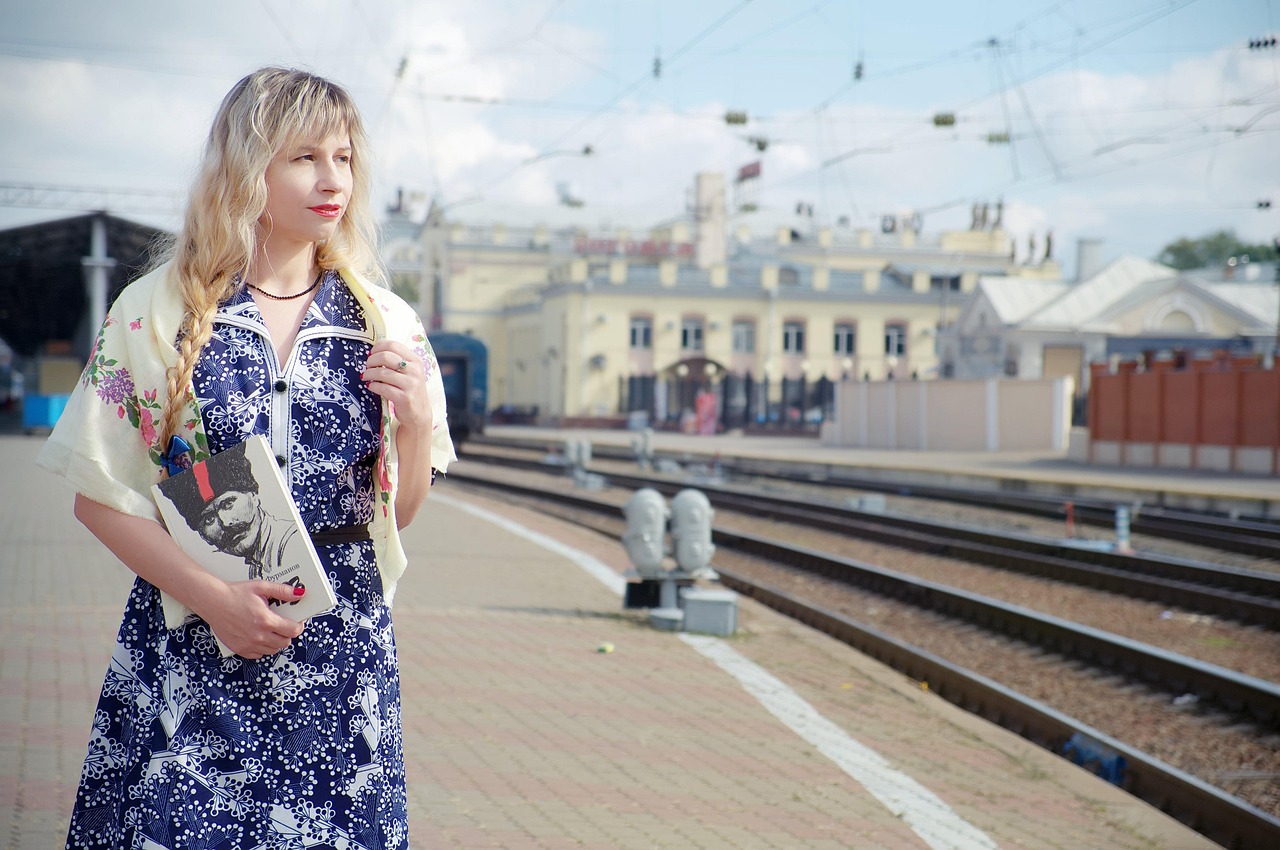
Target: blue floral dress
(297,750)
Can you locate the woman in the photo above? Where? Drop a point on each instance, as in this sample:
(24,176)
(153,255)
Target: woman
(265,320)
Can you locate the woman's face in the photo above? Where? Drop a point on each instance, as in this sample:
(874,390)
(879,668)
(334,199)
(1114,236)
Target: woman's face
(308,188)
(229,522)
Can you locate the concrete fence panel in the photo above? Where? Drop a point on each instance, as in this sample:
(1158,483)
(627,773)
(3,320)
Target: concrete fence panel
(996,415)
(882,415)
(911,406)
(1034,414)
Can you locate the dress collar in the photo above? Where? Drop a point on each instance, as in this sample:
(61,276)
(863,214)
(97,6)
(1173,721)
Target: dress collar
(334,306)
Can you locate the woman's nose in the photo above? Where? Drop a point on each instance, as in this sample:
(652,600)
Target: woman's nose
(329,178)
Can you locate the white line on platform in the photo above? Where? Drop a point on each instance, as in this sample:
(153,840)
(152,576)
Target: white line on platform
(921,809)
(927,815)
(596,568)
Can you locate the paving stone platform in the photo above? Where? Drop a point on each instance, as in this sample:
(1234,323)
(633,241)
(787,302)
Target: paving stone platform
(520,733)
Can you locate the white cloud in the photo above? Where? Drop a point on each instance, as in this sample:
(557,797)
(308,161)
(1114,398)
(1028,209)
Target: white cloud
(74,127)
(1137,159)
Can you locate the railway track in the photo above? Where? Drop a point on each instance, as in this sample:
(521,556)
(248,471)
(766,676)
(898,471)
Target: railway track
(1245,595)
(1253,536)
(1215,813)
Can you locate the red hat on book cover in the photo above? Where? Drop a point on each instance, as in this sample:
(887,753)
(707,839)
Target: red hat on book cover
(192,491)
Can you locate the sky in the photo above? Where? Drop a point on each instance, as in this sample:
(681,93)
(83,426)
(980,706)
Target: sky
(1131,121)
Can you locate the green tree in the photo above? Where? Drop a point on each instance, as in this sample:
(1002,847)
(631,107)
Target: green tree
(1213,249)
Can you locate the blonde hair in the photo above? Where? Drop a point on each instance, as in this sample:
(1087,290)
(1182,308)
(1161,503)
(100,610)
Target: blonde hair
(220,237)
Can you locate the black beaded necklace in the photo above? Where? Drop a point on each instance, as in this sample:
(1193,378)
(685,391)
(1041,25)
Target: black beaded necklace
(313,285)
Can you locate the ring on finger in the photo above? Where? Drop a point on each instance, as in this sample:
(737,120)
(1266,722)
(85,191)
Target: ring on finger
(400,367)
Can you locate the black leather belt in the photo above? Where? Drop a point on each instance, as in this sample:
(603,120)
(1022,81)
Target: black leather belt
(345,534)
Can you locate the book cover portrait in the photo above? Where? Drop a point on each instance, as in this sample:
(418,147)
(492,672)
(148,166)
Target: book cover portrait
(233,516)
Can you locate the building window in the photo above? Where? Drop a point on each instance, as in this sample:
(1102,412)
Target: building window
(844,339)
(793,337)
(895,339)
(945,283)
(691,334)
(641,332)
(788,276)
(896,278)
(1011,354)
(744,337)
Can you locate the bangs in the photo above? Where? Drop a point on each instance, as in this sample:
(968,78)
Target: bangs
(318,110)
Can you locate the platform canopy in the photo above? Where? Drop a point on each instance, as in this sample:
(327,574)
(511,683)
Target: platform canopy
(42,279)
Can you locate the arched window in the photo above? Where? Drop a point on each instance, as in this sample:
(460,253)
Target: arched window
(1178,321)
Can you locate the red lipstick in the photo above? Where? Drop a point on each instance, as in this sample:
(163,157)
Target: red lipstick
(327,210)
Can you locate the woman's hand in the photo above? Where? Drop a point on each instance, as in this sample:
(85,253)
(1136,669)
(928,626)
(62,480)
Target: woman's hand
(241,618)
(238,613)
(395,373)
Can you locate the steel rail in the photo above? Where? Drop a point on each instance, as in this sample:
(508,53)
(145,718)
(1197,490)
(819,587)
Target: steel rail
(1256,538)
(1201,529)
(1256,525)
(1249,696)
(1171,591)
(1244,595)
(1210,811)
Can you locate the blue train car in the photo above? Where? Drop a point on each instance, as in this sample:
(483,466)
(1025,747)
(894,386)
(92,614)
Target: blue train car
(464,368)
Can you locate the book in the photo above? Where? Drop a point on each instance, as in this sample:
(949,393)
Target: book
(234,515)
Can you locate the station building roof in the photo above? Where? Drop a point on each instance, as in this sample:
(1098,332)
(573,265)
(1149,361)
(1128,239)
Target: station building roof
(42,279)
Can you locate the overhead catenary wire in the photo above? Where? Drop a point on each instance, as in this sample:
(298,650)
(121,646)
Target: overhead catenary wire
(1004,106)
(1031,119)
(1164,11)
(737,46)
(644,78)
(897,142)
(284,31)
(869,131)
(640,81)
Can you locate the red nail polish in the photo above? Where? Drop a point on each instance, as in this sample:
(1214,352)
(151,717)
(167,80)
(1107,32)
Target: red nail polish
(298,591)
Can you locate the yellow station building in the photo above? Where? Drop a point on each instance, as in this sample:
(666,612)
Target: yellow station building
(585,324)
